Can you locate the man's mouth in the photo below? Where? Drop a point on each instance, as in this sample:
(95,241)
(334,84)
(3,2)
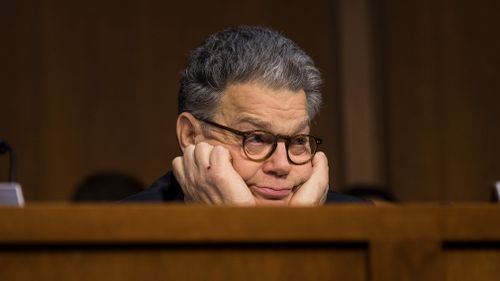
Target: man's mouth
(271,192)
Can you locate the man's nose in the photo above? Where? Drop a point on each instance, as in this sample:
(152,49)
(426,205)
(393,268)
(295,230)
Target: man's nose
(278,164)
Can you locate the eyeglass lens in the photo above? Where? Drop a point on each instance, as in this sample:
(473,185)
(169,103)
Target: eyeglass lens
(259,145)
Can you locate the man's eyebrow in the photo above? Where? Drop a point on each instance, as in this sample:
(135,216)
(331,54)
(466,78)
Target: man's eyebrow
(267,126)
(261,124)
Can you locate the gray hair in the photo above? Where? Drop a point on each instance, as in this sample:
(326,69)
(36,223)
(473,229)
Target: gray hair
(246,54)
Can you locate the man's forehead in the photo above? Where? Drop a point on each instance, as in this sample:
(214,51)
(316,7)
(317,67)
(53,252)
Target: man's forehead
(264,107)
(254,95)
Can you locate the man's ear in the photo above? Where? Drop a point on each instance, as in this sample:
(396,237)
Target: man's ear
(188,130)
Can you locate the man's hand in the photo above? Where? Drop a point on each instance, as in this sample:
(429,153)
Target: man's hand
(206,175)
(314,190)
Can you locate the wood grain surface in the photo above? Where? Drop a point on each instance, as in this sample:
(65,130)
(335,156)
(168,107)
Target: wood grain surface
(177,242)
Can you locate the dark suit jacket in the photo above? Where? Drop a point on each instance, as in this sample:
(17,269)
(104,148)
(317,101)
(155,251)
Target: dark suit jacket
(167,188)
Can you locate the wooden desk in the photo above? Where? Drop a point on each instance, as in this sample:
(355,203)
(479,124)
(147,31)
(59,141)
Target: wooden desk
(174,242)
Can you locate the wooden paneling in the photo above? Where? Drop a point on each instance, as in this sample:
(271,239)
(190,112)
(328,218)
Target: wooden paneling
(472,264)
(342,242)
(92,85)
(362,134)
(21,110)
(441,67)
(165,263)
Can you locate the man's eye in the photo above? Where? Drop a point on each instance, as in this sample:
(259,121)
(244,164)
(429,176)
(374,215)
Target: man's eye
(260,138)
(300,140)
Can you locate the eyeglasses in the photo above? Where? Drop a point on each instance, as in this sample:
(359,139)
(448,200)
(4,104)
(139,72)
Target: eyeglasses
(259,145)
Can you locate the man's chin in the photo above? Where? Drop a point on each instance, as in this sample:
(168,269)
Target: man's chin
(271,202)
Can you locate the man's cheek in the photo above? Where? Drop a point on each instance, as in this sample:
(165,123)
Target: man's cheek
(305,172)
(246,169)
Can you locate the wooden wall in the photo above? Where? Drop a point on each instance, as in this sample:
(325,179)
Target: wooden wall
(91,85)
(440,75)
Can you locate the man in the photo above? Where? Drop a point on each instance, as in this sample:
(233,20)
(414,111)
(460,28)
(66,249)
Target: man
(246,101)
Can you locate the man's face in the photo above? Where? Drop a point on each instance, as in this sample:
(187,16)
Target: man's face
(253,106)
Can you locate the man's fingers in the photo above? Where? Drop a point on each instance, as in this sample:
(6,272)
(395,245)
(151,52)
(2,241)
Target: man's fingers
(178,168)
(220,158)
(202,153)
(321,173)
(206,174)
(233,189)
(188,156)
(314,190)
(320,166)
(319,159)
(220,164)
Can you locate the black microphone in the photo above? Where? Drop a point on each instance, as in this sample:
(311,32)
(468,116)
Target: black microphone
(5,147)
